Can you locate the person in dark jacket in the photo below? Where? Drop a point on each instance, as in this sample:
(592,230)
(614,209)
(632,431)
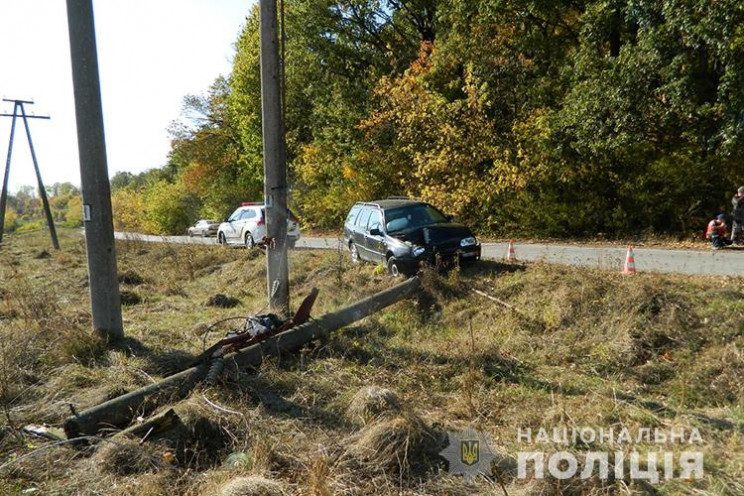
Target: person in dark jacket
(716,232)
(737,228)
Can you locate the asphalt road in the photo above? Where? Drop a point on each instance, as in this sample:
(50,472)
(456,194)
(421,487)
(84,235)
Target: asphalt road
(708,262)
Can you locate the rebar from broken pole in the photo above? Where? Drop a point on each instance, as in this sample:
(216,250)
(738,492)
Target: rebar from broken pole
(215,371)
(120,411)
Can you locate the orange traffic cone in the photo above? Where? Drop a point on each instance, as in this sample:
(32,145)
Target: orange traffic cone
(629,265)
(511,254)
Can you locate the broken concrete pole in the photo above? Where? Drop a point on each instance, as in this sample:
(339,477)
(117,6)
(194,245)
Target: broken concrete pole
(296,337)
(154,425)
(120,411)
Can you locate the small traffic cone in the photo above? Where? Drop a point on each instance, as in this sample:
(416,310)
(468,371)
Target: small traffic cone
(629,265)
(511,254)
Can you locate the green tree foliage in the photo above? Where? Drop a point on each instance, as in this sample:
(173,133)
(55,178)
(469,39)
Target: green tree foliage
(74,211)
(209,156)
(156,201)
(641,140)
(129,209)
(25,209)
(11,222)
(545,118)
(169,208)
(337,53)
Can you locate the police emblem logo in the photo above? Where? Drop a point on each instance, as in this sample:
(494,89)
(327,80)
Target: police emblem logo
(470,451)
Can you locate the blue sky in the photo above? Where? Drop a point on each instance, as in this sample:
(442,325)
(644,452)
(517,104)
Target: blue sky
(151,54)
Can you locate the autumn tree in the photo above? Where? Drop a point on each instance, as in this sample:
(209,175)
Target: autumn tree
(542,118)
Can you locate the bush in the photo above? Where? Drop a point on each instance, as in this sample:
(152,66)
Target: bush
(128,210)
(170,208)
(11,220)
(31,226)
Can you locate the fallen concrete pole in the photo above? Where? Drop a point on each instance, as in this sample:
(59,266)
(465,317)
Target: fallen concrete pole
(154,425)
(295,338)
(120,411)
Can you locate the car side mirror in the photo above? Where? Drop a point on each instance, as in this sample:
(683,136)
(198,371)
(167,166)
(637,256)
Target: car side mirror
(375,232)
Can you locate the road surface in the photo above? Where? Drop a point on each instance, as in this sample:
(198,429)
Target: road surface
(707,262)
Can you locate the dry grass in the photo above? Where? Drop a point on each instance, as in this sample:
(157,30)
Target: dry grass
(371,403)
(395,445)
(252,486)
(365,411)
(124,458)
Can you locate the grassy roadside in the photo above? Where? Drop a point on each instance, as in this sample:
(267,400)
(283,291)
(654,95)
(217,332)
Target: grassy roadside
(574,348)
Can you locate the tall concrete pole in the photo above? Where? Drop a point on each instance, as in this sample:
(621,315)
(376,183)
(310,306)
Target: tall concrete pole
(40,183)
(4,193)
(99,228)
(274,159)
(19,110)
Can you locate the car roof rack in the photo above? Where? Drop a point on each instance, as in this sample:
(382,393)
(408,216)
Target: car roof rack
(398,198)
(248,204)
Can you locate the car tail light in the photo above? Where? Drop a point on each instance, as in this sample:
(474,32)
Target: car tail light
(261,221)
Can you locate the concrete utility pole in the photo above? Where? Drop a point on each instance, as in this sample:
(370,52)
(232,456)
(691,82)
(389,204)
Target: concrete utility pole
(275,167)
(99,228)
(40,183)
(18,109)
(4,194)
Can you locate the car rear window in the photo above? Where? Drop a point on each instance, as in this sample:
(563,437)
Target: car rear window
(364,217)
(353,214)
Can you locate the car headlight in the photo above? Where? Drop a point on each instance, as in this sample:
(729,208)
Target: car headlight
(418,251)
(469,241)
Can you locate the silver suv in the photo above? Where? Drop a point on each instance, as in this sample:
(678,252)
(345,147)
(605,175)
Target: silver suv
(247,226)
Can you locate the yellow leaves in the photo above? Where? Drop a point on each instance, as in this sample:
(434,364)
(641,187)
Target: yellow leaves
(309,164)
(74,210)
(128,207)
(347,171)
(11,220)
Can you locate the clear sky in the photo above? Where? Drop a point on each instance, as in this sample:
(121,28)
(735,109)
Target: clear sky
(151,54)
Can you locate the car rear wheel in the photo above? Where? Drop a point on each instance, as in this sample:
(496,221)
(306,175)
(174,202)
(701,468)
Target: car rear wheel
(354,253)
(393,268)
(221,239)
(249,242)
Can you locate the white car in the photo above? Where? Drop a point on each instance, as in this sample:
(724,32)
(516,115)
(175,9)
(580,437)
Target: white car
(247,226)
(204,228)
